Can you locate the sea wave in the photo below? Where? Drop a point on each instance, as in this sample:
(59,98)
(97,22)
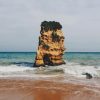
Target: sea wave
(73,69)
(78,70)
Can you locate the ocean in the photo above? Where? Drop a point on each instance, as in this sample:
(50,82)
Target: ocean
(77,64)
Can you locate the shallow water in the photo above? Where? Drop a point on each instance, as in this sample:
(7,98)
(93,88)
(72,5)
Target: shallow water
(20,64)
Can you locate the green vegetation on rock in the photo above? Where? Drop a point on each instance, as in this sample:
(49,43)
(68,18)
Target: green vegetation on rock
(55,37)
(50,25)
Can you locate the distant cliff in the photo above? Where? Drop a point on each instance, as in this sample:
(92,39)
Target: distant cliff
(51,45)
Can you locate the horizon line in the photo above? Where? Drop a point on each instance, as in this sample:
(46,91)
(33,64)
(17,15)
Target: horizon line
(36,51)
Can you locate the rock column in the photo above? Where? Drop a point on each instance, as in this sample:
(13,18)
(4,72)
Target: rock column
(51,45)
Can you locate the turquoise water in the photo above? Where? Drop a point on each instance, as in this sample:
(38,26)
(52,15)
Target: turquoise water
(84,58)
(17,58)
(27,58)
(77,63)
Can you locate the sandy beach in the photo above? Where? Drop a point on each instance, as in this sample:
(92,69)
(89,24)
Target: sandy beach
(42,89)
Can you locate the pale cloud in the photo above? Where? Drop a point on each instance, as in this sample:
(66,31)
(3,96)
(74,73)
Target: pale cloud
(20,23)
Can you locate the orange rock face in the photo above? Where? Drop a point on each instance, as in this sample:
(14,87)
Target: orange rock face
(51,45)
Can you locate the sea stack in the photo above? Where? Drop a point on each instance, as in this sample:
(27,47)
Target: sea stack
(51,45)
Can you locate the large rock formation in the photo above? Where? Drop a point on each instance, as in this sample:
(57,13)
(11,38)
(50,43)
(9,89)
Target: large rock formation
(51,45)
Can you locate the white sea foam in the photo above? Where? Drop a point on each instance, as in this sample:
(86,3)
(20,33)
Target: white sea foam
(80,70)
(73,69)
(13,68)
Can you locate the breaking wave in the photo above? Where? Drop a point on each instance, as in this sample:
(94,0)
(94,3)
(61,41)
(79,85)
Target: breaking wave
(73,69)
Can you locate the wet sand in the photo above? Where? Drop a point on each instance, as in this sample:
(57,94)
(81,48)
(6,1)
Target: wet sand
(42,89)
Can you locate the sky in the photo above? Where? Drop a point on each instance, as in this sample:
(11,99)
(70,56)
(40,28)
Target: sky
(20,23)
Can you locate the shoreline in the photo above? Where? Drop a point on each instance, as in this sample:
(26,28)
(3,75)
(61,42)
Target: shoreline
(45,89)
